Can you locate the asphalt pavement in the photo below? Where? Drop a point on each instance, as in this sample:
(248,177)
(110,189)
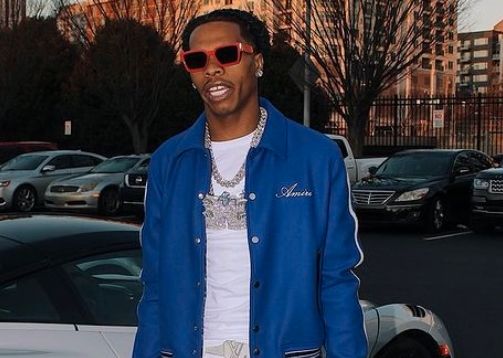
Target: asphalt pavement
(458,275)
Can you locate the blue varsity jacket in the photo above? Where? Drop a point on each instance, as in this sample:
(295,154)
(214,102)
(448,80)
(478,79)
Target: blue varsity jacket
(302,241)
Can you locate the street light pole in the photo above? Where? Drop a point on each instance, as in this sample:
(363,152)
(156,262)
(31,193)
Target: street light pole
(307,88)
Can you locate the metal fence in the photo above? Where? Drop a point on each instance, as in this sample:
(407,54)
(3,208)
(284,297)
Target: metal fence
(441,122)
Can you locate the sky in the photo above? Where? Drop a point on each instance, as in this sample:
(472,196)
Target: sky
(482,15)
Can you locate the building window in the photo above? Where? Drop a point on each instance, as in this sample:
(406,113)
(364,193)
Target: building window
(480,78)
(482,89)
(480,66)
(450,65)
(481,41)
(451,49)
(480,54)
(425,63)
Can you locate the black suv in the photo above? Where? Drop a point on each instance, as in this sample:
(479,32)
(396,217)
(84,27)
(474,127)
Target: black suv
(133,188)
(430,187)
(487,200)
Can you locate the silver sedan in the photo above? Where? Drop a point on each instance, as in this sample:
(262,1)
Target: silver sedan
(97,190)
(23,179)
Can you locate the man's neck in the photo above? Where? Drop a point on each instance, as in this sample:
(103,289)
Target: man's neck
(234,125)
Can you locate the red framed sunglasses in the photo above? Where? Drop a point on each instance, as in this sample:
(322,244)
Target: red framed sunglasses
(227,55)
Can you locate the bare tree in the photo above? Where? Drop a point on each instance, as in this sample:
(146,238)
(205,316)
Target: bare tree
(363,47)
(81,19)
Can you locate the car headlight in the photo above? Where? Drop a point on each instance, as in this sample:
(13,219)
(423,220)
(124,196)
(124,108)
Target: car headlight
(4,183)
(481,184)
(87,187)
(417,194)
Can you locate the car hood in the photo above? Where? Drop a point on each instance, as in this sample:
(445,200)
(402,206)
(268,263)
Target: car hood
(91,178)
(495,173)
(395,184)
(12,174)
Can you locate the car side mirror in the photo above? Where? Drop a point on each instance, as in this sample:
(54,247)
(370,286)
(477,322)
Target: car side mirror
(48,168)
(372,170)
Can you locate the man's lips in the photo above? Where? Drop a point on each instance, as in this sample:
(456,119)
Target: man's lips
(217,90)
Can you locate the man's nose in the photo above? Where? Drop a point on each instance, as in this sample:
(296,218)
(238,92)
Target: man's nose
(214,68)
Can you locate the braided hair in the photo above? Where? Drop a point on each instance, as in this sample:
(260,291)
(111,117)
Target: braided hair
(252,29)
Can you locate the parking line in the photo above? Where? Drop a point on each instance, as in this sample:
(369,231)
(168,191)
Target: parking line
(447,236)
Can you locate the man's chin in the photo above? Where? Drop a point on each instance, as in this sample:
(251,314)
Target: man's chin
(220,108)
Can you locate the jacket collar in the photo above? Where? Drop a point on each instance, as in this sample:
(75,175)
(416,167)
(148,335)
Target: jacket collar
(274,137)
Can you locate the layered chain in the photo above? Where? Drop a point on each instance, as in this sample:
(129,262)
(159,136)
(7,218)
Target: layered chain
(257,135)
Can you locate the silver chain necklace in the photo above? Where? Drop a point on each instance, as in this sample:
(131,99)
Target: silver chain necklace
(257,135)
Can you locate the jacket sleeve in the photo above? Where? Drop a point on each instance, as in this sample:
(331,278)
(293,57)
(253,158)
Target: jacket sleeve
(344,322)
(147,341)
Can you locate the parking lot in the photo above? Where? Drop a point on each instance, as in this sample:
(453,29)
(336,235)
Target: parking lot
(456,274)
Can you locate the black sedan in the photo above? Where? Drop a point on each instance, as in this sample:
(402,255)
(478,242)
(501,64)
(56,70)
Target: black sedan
(430,187)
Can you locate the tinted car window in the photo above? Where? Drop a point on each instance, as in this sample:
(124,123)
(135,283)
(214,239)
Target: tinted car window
(463,162)
(24,162)
(115,165)
(79,161)
(342,147)
(61,162)
(109,285)
(479,161)
(416,165)
(25,300)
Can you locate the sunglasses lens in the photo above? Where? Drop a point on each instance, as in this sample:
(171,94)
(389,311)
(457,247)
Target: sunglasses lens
(227,54)
(195,60)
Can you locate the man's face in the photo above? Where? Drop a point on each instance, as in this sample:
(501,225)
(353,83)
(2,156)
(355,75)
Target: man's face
(225,90)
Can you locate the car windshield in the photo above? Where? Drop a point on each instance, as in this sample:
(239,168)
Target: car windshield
(416,165)
(24,162)
(115,165)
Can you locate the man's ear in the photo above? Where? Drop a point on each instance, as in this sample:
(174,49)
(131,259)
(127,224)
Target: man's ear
(259,62)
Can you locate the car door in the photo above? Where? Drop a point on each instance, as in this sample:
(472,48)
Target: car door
(35,321)
(110,288)
(61,167)
(460,188)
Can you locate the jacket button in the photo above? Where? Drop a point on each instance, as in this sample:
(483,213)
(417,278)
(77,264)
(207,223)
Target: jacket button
(201,196)
(256,284)
(256,352)
(195,328)
(197,241)
(255,328)
(198,284)
(255,239)
(252,196)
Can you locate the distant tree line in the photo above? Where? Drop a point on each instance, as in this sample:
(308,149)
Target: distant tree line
(123,92)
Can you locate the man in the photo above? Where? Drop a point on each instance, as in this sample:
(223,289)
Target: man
(249,240)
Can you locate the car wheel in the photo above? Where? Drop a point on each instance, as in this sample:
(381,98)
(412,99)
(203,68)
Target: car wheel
(110,202)
(436,217)
(24,199)
(405,347)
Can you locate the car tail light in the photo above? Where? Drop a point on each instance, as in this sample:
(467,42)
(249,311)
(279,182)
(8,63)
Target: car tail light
(444,351)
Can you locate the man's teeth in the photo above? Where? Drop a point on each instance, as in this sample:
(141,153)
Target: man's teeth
(218,90)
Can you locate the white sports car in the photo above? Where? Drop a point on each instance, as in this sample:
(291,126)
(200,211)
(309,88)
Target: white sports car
(69,287)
